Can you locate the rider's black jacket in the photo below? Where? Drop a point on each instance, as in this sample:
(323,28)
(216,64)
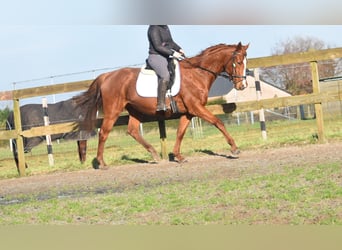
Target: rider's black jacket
(161,41)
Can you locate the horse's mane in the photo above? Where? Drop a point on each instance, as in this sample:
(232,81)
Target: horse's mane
(196,60)
(215,48)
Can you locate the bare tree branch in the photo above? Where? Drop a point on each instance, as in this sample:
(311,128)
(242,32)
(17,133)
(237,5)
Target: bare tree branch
(296,78)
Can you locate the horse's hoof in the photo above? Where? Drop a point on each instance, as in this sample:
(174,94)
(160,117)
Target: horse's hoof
(156,160)
(97,165)
(178,159)
(155,157)
(234,154)
(183,160)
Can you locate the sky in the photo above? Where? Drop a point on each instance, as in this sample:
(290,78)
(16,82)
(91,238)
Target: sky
(49,42)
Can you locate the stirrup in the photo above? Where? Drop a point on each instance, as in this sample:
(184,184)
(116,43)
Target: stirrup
(173,104)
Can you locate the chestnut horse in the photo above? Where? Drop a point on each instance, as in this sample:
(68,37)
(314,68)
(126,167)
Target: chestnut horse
(115,91)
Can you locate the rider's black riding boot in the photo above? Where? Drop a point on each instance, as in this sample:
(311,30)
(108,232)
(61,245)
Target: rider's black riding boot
(162,86)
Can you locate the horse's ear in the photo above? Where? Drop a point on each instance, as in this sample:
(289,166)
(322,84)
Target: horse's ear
(240,46)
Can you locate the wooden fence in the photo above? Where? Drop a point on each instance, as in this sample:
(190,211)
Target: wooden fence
(316,98)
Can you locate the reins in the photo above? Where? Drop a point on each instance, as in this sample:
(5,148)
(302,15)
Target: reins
(208,70)
(222,74)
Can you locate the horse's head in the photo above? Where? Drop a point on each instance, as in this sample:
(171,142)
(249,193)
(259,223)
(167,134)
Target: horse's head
(237,66)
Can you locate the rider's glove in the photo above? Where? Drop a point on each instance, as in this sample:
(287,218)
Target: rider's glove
(177,55)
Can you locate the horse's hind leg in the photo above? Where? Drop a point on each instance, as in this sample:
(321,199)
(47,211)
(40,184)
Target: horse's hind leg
(82,150)
(133,130)
(106,127)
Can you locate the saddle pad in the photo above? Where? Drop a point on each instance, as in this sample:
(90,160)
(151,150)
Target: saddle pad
(147,83)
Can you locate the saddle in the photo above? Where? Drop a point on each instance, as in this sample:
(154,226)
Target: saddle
(147,82)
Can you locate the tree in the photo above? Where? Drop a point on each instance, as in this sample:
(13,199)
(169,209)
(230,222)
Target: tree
(296,79)
(3,116)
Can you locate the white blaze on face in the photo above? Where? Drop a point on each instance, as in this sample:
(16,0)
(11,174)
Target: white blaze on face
(244,81)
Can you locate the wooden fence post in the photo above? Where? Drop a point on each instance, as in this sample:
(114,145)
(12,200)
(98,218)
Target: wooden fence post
(19,139)
(261,111)
(196,127)
(162,133)
(318,106)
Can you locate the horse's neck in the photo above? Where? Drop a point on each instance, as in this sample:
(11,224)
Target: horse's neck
(214,62)
(209,66)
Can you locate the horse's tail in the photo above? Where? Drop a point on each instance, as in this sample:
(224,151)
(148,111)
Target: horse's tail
(90,102)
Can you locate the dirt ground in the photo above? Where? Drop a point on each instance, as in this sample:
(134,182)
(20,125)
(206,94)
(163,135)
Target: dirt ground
(206,165)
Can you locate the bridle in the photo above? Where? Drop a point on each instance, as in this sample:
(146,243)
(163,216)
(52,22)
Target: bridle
(234,75)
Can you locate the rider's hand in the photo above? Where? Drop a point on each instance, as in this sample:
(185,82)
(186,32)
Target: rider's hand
(177,55)
(182,52)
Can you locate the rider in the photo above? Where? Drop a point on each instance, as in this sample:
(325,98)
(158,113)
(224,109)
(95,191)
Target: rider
(162,47)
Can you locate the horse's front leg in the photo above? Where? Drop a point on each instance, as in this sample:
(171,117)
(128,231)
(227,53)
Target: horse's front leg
(133,130)
(205,114)
(183,125)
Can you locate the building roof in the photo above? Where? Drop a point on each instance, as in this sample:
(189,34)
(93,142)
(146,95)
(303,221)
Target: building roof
(223,87)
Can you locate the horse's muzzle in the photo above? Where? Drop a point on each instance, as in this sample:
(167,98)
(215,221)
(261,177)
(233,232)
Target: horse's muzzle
(241,85)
